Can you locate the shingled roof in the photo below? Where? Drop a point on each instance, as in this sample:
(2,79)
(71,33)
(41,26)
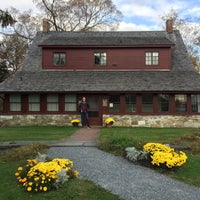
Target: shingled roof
(32,78)
(106,39)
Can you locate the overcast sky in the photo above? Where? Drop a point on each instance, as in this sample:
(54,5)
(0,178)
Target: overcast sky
(138,14)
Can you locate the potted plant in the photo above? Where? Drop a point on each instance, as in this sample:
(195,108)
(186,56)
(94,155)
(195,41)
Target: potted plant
(109,122)
(75,122)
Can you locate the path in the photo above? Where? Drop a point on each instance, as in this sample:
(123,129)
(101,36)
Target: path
(121,177)
(116,174)
(82,137)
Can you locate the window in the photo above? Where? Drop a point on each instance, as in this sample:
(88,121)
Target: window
(147,103)
(114,103)
(195,98)
(151,58)
(52,102)
(59,59)
(70,102)
(100,58)
(130,105)
(181,102)
(34,102)
(1,102)
(15,102)
(163,103)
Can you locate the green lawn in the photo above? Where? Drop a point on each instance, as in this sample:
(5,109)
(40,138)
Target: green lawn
(113,140)
(35,133)
(75,189)
(116,139)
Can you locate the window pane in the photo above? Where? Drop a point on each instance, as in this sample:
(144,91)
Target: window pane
(15,102)
(70,102)
(52,107)
(181,102)
(130,105)
(147,103)
(52,102)
(195,102)
(34,102)
(59,58)
(114,103)
(163,103)
(1,104)
(100,58)
(151,58)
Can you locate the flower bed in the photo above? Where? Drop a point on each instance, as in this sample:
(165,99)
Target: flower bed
(158,155)
(165,155)
(44,176)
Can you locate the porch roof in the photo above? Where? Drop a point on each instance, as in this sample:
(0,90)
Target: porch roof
(103,81)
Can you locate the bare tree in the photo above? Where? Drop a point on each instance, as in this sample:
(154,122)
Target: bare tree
(190,32)
(13,49)
(80,15)
(13,45)
(27,24)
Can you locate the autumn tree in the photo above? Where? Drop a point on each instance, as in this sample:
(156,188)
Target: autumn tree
(6,19)
(80,15)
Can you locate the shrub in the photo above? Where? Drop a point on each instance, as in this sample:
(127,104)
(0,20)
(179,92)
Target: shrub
(46,175)
(163,155)
(109,121)
(136,155)
(156,154)
(75,122)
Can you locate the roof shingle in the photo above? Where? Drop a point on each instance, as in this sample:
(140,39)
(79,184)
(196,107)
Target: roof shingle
(32,78)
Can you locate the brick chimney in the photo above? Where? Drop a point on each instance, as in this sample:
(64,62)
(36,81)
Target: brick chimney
(169,26)
(45,25)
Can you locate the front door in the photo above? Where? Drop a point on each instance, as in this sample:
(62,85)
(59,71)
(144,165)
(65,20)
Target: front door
(94,113)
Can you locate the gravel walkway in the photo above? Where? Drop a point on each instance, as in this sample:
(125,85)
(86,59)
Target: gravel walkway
(129,181)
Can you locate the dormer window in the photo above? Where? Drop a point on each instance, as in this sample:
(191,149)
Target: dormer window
(151,58)
(100,58)
(59,58)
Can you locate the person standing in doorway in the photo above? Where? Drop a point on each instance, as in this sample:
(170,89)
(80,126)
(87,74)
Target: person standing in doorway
(83,109)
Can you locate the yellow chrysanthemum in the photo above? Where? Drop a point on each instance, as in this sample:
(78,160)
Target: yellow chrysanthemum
(29,189)
(162,154)
(20,168)
(109,120)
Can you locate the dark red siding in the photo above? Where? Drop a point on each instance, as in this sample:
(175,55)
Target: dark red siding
(117,58)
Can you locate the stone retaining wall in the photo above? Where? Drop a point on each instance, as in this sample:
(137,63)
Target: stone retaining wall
(157,121)
(39,120)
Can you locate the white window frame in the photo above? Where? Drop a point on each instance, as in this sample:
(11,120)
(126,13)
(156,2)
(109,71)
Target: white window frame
(152,58)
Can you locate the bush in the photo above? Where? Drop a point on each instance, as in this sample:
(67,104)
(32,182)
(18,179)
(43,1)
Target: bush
(136,155)
(158,155)
(45,175)
(163,155)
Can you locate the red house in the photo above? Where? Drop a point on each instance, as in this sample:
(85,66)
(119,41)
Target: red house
(142,78)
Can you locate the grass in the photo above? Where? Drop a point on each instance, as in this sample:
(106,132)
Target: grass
(75,189)
(113,140)
(116,139)
(35,133)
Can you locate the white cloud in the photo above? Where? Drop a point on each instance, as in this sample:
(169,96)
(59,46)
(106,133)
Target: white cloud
(148,10)
(21,5)
(123,26)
